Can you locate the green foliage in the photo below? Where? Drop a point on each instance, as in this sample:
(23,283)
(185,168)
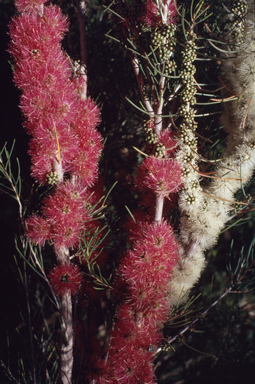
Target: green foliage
(14,187)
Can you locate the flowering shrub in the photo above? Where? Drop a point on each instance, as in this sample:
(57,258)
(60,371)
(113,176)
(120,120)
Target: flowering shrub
(64,148)
(112,309)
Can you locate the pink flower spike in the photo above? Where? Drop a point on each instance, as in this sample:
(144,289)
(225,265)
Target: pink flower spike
(170,144)
(134,228)
(28,5)
(66,213)
(152,17)
(161,175)
(88,116)
(64,278)
(38,230)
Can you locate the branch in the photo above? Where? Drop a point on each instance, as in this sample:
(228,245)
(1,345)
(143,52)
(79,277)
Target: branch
(30,328)
(8,372)
(66,313)
(82,9)
(198,318)
(159,208)
(227,291)
(145,98)
(67,339)
(10,179)
(158,113)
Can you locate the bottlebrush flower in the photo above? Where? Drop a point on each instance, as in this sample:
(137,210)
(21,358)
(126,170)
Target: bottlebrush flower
(130,366)
(62,125)
(39,103)
(134,228)
(49,99)
(147,267)
(161,175)
(88,116)
(170,144)
(45,149)
(84,163)
(36,39)
(28,5)
(152,17)
(136,338)
(146,270)
(65,278)
(38,230)
(63,217)
(148,319)
(66,213)
(185,275)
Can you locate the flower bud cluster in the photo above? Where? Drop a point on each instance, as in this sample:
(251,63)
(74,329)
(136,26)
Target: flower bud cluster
(187,153)
(237,15)
(238,71)
(189,268)
(238,117)
(154,146)
(163,43)
(207,211)
(159,173)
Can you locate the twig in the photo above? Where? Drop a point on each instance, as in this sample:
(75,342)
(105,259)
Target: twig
(145,98)
(158,112)
(30,326)
(8,372)
(8,177)
(201,316)
(82,9)
(242,125)
(221,198)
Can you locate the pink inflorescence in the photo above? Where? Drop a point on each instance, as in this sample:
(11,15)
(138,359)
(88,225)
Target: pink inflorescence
(65,278)
(163,176)
(152,17)
(170,144)
(62,126)
(63,217)
(84,163)
(29,5)
(38,229)
(146,271)
(65,143)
